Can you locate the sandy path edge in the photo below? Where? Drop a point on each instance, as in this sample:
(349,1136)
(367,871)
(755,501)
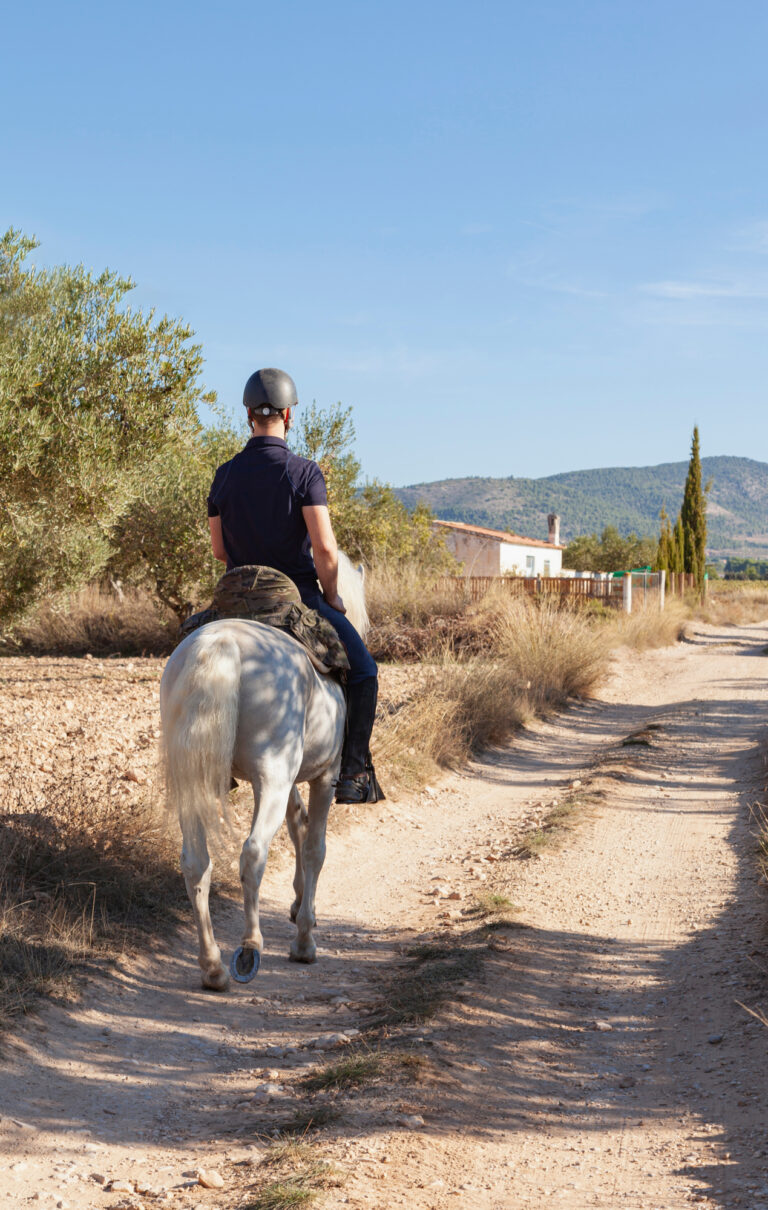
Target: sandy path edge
(649,920)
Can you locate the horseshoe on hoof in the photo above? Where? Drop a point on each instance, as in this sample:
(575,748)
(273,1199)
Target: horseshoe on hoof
(239,966)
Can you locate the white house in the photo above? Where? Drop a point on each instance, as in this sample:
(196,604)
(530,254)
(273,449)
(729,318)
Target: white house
(495,552)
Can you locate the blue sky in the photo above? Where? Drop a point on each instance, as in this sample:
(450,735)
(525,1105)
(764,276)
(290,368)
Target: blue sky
(518,238)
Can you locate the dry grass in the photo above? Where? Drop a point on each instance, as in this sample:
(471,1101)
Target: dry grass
(734,603)
(359,1070)
(650,627)
(538,654)
(306,1121)
(80,876)
(432,977)
(350,1072)
(493,906)
(456,709)
(555,825)
(300,1177)
(553,649)
(402,593)
(96,621)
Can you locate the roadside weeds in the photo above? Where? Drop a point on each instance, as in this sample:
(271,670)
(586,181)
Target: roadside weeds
(295,1177)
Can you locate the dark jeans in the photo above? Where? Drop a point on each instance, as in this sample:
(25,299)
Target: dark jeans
(362,665)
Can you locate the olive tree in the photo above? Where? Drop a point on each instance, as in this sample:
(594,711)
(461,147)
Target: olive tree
(162,540)
(95,397)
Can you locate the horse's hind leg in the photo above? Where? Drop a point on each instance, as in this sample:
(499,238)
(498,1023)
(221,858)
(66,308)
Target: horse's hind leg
(303,947)
(270,811)
(296,819)
(196,866)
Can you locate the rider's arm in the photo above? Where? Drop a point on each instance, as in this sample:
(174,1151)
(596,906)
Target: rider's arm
(324,551)
(217,541)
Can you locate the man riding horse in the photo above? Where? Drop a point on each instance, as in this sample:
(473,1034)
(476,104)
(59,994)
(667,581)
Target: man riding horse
(268,506)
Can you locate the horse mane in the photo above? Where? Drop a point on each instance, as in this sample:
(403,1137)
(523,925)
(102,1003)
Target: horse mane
(352,592)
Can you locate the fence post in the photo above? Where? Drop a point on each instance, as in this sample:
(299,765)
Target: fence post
(626,586)
(662,589)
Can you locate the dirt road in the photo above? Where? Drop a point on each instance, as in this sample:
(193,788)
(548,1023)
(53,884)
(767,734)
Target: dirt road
(593,1053)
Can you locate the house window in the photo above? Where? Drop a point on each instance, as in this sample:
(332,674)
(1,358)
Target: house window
(547,568)
(530,565)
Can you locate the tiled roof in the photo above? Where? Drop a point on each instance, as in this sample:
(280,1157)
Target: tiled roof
(501,535)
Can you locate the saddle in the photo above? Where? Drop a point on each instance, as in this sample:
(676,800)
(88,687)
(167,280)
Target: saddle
(264,595)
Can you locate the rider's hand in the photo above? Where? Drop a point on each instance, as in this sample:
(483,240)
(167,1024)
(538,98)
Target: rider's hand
(335,603)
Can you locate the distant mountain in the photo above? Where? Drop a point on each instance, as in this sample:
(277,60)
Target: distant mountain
(628,497)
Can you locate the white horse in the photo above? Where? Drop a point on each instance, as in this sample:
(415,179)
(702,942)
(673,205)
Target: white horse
(238,698)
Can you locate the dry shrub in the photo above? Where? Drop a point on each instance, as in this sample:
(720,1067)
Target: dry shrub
(81,872)
(98,622)
(458,708)
(405,593)
(538,654)
(551,647)
(416,614)
(649,627)
(734,603)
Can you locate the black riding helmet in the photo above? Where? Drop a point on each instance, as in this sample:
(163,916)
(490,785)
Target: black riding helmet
(270,391)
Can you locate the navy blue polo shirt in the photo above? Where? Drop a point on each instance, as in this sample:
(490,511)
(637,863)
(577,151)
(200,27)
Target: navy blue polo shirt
(259,495)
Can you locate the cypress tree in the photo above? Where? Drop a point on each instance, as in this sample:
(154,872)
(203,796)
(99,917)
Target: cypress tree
(693,516)
(664,554)
(679,546)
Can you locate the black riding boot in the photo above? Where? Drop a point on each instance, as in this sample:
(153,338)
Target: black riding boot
(357,781)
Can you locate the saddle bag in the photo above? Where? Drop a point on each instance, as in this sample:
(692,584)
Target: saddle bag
(264,595)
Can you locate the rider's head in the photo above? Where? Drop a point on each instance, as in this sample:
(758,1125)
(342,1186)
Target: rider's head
(268,397)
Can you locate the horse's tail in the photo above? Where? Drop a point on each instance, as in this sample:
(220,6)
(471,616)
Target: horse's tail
(200,726)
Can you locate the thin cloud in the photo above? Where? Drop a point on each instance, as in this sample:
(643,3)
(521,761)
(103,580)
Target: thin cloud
(686,291)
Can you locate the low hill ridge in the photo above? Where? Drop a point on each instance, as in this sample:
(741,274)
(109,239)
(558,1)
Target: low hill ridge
(630,498)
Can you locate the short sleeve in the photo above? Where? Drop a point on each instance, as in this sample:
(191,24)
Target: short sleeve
(314,491)
(213,508)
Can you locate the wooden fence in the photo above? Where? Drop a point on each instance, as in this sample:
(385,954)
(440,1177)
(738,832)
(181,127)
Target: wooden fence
(646,587)
(476,587)
(680,582)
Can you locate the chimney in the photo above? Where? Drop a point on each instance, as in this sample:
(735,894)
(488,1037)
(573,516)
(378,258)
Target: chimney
(554,529)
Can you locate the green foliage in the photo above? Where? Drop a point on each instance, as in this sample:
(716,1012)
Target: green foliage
(670,554)
(162,540)
(746,569)
(94,397)
(369,520)
(684,547)
(693,516)
(609,552)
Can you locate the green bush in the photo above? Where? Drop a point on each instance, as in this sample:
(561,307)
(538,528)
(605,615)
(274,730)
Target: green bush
(94,399)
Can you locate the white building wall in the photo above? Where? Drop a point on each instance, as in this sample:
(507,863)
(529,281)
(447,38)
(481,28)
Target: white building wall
(530,560)
(480,556)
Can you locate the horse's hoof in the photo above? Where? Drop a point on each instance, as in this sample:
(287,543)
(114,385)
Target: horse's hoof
(306,956)
(216,981)
(244,965)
